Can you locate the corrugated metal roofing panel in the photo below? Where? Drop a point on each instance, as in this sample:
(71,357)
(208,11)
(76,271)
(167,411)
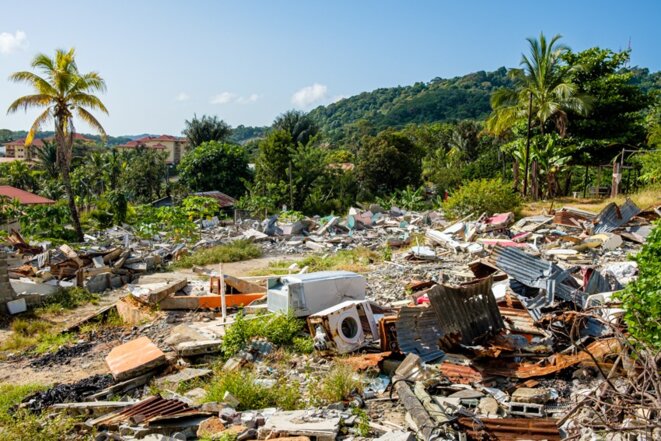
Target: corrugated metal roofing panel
(613,217)
(468,312)
(505,429)
(418,332)
(536,273)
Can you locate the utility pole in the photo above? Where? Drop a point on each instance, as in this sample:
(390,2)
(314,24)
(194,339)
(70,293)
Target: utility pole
(527,160)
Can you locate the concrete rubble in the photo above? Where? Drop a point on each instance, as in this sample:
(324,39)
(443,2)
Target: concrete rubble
(484,328)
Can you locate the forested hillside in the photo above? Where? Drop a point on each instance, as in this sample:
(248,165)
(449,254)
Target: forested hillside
(465,97)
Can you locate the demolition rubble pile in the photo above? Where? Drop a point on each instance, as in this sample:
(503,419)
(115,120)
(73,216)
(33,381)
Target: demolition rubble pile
(485,329)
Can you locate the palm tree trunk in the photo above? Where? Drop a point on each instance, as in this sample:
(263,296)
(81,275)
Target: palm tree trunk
(534,184)
(515,174)
(66,179)
(64,145)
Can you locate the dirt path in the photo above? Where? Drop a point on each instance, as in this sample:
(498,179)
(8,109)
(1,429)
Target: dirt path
(19,371)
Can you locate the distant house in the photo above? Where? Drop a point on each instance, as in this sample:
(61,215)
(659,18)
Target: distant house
(175,147)
(17,149)
(24,197)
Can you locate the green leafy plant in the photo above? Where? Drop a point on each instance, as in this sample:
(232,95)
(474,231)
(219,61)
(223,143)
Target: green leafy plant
(279,329)
(234,251)
(483,195)
(252,394)
(200,207)
(337,385)
(642,298)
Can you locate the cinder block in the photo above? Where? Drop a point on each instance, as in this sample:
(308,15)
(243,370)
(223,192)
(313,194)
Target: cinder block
(17,306)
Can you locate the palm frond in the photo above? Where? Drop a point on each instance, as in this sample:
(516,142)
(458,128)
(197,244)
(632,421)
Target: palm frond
(91,120)
(40,84)
(29,101)
(87,100)
(37,124)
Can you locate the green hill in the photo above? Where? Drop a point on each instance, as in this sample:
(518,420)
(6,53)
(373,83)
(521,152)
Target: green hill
(465,97)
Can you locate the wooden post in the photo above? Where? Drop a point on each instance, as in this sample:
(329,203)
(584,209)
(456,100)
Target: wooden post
(616,179)
(585,182)
(223,300)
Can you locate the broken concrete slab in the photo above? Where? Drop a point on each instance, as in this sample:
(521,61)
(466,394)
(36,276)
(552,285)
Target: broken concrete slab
(531,395)
(323,425)
(199,347)
(154,293)
(184,375)
(134,358)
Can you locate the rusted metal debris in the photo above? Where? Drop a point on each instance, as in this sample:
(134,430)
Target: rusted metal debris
(466,314)
(142,412)
(556,362)
(505,429)
(365,361)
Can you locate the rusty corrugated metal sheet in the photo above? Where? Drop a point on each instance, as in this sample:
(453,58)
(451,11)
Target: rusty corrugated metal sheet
(458,373)
(569,219)
(468,312)
(418,332)
(613,217)
(519,320)
(505,429)
(151,407)
(556,362)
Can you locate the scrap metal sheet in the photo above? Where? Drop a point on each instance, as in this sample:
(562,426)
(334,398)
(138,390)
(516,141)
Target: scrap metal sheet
(613,217)
(418,332)
(505,429)
(468,312)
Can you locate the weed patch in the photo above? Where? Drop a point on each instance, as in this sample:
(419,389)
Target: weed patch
(252,394)
(23,425)
(279,329)
(232,252)
(67,298)
(337,385)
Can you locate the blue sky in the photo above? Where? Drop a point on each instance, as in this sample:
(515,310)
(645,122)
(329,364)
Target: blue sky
(248,61)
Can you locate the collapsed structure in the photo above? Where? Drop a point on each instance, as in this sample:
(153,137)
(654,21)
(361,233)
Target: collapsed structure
(492,329)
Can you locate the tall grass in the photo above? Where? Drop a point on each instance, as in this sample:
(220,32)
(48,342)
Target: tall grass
(232,252)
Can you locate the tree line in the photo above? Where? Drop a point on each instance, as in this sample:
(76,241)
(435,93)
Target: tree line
(558,112)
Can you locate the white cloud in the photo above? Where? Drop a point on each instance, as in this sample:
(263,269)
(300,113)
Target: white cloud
(223,98)
(229,97)
(182,96)
(310,95)
(247,99)
(12,42)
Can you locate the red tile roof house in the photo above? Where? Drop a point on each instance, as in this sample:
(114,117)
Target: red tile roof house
(174,146)
(24,197)
(18,150)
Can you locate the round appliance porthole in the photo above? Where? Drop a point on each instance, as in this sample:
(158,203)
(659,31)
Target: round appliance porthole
(349,328)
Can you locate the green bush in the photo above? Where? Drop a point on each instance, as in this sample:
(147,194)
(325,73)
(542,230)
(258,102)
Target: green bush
(200,207)
(483,195)
(279,329)
(642,298)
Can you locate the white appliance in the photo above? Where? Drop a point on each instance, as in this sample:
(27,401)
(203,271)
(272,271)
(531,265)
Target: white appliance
(345,327)
(305,294)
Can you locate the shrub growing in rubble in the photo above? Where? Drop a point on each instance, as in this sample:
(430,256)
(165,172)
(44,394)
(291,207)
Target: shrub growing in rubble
(642,298)
(482,195)
(279,329)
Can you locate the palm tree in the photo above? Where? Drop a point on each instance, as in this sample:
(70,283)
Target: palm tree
(61,92)
(543,93)
(47,156)
(543,78)
(298,124)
